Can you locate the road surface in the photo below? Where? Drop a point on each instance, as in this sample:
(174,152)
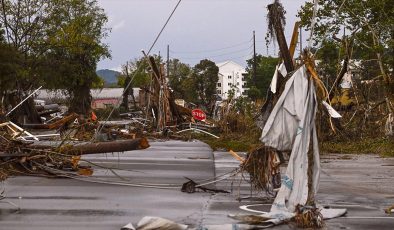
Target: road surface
(363,184)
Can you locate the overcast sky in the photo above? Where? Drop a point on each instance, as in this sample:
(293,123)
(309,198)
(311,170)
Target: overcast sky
(219,30)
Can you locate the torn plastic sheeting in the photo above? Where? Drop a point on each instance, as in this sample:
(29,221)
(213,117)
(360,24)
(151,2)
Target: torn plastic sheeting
(327,213)
(151,223)
(333,113)
(291,126)
(283,123)
(293,119)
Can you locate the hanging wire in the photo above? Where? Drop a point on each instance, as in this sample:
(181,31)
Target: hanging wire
(141,185)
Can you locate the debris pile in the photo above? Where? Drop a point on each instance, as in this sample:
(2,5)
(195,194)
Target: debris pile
(263,166)
(20,155)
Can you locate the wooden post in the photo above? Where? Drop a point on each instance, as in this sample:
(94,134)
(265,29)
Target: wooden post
(294,39)
(280,36)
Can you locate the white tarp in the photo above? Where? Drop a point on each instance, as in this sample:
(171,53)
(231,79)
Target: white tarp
(291,126)
(282,70)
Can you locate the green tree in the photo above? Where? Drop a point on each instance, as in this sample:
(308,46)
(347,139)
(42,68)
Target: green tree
(59,44)
(179,72)
(23,25)
(204,79)
(265,69)
(74,34)
(10,65)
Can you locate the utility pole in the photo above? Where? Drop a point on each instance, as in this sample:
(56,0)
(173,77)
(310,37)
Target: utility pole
(254,58)
(300,40)
(168,60)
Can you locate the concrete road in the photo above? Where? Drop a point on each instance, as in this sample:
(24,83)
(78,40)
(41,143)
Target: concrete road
(71,204)
(362,184)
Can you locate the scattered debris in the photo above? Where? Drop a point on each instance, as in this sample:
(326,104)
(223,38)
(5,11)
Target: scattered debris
(191,187)
(308,217)
(389,210)
(262,164)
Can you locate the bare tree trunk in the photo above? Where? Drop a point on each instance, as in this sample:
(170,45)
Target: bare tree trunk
(80,101)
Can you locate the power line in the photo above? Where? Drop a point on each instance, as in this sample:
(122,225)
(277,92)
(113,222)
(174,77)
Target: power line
(212,50)
(162,29)
(214,56)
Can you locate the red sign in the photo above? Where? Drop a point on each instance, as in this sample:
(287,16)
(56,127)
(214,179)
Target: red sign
(198,114)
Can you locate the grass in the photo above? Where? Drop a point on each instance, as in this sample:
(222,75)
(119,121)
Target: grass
(381,146)
(238,143)
(242,143)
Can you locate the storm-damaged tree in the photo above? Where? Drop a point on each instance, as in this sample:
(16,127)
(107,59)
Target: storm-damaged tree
(74,34)
(368,24)
(204,79)
(136,73)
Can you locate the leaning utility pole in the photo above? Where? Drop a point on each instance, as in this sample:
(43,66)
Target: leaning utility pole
(168,60)
(254,58)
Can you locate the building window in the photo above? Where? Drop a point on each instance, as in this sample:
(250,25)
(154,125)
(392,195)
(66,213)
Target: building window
(229,76)
(237,83)
(219,84)
(229,84)
(219,91)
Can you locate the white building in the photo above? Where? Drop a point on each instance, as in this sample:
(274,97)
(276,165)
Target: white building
(231,76)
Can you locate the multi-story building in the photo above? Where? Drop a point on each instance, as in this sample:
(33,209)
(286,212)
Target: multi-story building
(231,77)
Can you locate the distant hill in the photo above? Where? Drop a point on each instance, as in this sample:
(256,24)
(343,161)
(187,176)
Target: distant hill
(109,76)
